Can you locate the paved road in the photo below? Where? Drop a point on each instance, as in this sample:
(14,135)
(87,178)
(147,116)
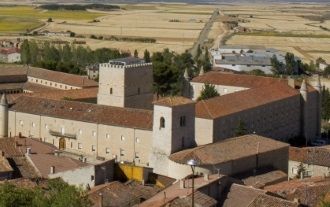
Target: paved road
(203,36)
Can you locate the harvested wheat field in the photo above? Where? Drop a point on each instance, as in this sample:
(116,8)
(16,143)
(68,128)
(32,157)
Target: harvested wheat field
(301,29)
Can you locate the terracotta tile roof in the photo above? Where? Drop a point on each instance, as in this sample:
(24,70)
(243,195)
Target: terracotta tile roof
(310,155)
(55,76)
(93,113)
(173,101)
(243,100)
(7,51)
(21,182)
(228,149)
(78,94)
(244,196)
(43,162)
(241,80)
(60,77)
(16,147)
(119,194)
(264,179)
(200,199)
(307,191)
(37,88)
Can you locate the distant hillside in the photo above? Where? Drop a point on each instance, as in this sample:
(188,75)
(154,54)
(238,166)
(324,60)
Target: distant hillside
(76,7)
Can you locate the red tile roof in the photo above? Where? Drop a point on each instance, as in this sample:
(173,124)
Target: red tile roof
(243,100)
(7,51)
(240,80)
(173,101)
(93,113)
(228,149)
(43,162)
(310,155)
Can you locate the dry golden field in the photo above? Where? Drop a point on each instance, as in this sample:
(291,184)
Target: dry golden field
(144,21)
(301,29)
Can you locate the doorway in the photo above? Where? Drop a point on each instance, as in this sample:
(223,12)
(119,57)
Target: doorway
(62,143)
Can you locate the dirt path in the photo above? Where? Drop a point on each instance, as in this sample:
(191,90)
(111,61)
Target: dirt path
(304,53)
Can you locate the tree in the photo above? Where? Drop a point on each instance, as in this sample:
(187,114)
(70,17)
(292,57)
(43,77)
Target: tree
(240,129)
(290,63)
(257,72)
(50,19)
(198,52)
(208,92)
(146,56)
(277,66)
(206,61)
(325,105)
(25,52)
(136,54)
(56,194)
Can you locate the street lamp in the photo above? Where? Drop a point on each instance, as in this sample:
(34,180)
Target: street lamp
(193,163)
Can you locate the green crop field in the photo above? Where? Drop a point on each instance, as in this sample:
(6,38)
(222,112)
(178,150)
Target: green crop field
(22,18)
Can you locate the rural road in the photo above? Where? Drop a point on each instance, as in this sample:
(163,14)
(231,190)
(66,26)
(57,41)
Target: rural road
(203,35)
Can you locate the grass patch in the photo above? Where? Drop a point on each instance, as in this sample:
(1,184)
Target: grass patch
(31,12)
(16,24)
(282,34)
(23,18)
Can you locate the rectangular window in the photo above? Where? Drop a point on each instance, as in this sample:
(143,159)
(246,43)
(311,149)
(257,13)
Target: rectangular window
(80,131)
(93,148)
(92,178)
(107,150)
(62,130)
(46,126)
(107,136)
(182,121)
(94,133)
(33,124)
(122,152)
(122,138)
(79,146)
(71,145)
(21,122)
(137,140)
(137,156)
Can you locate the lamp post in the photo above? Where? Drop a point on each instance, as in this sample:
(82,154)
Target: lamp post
(193,163)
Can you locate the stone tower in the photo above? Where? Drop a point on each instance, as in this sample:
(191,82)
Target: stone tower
(126,82)
(3,116)
(173,130)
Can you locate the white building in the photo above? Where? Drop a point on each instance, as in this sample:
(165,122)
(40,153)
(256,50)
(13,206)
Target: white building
(10,55)
(245,59)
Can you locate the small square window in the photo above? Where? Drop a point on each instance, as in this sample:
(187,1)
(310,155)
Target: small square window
(79,146)
(80,131)
(107,150)
(122,138)
(33,124)
(93,148)
(107,136)
(92,178)
(94,133)
(122,152)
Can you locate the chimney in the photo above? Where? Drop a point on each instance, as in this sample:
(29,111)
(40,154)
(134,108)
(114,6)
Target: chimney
(292,82)
(206,177)
(28,150)
(182,184)
(52,169)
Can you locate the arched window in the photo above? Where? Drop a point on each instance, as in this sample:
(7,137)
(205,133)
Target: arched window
(110,90)
(162,122)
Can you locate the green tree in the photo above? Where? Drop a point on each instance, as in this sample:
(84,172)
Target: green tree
(50,19)
(290,63)
(240,129)
(206,60)
(300,170)
(277,66)
(199,52)
(257,72)
(146,56)
(325,105)
(25,52)
(136,54)
(56,194)
(208,92)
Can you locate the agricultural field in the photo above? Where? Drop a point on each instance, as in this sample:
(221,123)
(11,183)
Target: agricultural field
(173,26)
(301,29)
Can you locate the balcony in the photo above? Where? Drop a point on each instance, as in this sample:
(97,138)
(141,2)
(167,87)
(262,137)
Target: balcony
(60,134)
